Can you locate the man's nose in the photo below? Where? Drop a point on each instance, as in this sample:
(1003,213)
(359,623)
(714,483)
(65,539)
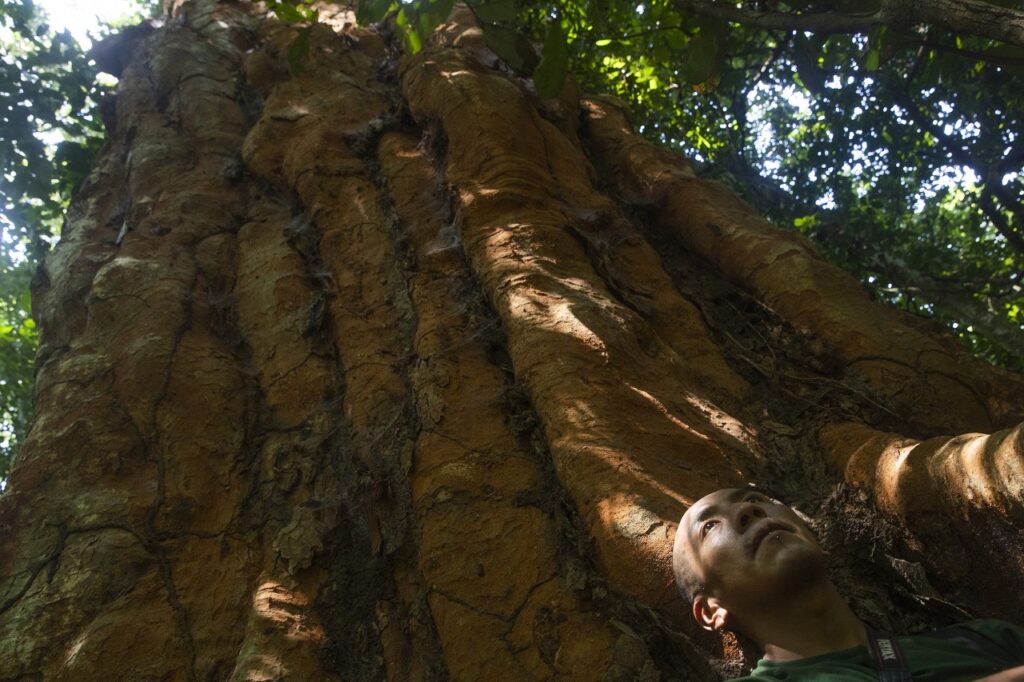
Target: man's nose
(748,513)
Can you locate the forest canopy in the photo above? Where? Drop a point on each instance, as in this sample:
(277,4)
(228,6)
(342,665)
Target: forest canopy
(889,133)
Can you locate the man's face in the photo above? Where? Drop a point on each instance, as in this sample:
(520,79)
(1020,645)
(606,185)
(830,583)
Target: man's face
(746,549)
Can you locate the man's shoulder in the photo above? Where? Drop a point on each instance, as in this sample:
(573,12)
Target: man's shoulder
(848,665)
(987,639)
(999,638)
(992,626)
(987,625)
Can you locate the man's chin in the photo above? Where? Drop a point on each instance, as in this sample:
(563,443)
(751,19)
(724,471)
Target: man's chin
(791,561)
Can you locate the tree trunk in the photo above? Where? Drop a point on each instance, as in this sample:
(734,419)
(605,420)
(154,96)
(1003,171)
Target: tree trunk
(387,368)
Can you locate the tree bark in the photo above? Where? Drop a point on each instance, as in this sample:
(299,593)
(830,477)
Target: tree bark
(388,369)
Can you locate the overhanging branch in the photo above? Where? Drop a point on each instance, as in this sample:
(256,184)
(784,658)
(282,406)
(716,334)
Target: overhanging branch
(823,22)
(968,17)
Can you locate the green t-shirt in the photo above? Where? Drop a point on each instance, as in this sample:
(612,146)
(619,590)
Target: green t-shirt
(943,655)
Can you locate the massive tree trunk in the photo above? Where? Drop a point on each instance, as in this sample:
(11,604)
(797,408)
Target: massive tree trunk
(387,368)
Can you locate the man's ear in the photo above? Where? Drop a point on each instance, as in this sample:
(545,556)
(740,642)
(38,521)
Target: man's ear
(710,613)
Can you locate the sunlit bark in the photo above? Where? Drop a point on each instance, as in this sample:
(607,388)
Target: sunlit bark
(388,369)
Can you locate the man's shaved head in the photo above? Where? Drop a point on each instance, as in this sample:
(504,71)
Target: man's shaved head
(736,549)
(687,580)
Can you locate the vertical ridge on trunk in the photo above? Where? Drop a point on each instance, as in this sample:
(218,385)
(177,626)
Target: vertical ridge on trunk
(920,375)
(518,182)
(385,368)
(134,248)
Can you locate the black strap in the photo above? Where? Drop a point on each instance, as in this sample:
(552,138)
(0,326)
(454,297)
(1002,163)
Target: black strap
(963,636)
(889,660)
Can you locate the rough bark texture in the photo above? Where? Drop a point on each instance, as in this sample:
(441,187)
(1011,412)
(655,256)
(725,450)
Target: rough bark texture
(388,369)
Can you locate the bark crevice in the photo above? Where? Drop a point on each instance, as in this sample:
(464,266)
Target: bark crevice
(385,368)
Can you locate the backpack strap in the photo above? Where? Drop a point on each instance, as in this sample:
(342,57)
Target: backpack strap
(888,657)
(964,636)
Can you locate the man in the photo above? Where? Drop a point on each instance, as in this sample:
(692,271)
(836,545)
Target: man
(748,564)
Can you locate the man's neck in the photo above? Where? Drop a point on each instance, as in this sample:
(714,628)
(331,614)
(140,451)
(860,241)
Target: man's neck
(819,622)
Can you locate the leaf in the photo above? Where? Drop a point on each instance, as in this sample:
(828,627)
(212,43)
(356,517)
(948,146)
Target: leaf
(496,10)
(413,41)
(441,9)
(298,51)
(425,18)
(1015,52)
(676,39)
(286,12)
(294,12)
(871,60)
(876,39)
(372,11)
(805,56)
(706,54)
(549,76)
(512,46)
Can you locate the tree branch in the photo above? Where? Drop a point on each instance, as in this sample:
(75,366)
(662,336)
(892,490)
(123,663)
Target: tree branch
(823,22)
(995,60)
(927,123)
(1012,233)
(972,17)
(956,302)
(969,17)
(956,298)
(990,185)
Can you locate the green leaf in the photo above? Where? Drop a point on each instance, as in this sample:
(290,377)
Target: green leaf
(372,11)
(876,42)
(402,18)
(549,76)
(297,12)
(413,41)
(872,59)
(441,8)
(676,39)
(805,56)
(298,51)
(603,42)
(1014,52)
(496,10)
(512,46)
(706,54)
(286,12)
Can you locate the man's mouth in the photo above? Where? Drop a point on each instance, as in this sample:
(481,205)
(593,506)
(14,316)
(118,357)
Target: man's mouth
(766,528)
